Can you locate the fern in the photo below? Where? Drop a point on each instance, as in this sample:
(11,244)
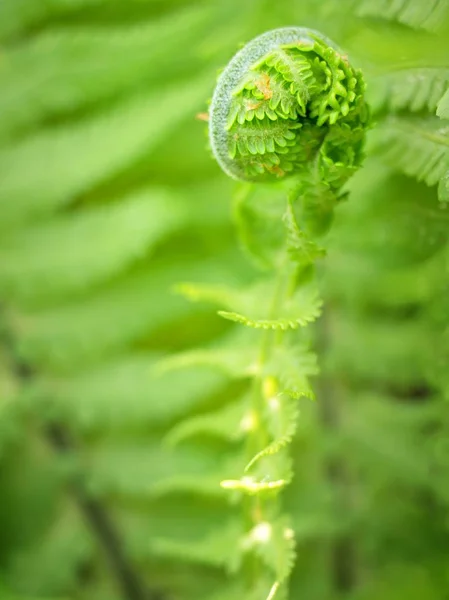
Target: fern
(417,147)
(128,233)
(255,134)
(426,15)
(17,18)
(92,399)
(194,440)
(229,423)
(113,141)
(139,470)
(410,87)
(54,75)
(443,106)
(210,550)
(231,355)
(298,311)
(78,332)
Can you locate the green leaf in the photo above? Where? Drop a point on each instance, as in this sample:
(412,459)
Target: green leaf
(55,73)
(293,365)
(411,87)
(369,350)
(270,473)
(443,106)
(281,415)
(72,252)
(233,356)
(109,142)
(300,309)
(213,294)
(15,16)
(431,15)
(274,543)
(219,549)
(93,399)
(402,430)
(19,17)
(407,225)
(230,423)
(82,331)
(151,469)
(417,146)
(260,589)
(443,188)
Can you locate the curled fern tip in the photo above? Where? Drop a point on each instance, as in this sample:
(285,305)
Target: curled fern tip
(287,100)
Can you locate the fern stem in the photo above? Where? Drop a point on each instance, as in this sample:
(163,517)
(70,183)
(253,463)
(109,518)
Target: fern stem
(269,339)
(260,438)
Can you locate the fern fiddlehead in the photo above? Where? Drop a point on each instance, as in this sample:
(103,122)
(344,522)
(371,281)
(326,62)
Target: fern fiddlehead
(289,106)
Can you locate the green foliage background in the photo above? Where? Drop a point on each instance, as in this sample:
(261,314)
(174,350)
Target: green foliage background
(108,199)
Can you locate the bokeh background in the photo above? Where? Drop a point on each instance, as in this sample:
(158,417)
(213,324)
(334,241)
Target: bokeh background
(108,198)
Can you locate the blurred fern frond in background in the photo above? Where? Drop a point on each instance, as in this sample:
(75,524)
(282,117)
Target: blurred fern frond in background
(123,405)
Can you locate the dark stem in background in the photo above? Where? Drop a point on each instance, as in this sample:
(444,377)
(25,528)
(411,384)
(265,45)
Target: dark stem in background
(343,555)
(102,526)
(95,514)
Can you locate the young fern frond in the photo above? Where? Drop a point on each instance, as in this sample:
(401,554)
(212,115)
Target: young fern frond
(413,88)
(289,106)
(417,146)
(99,158)
(327,93)
(431,15)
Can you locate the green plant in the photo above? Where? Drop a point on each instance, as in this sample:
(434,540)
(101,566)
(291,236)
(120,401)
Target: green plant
(288,105)
(115,432)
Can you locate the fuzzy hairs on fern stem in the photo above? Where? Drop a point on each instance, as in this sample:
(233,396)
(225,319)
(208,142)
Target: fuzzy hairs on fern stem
(289,106)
